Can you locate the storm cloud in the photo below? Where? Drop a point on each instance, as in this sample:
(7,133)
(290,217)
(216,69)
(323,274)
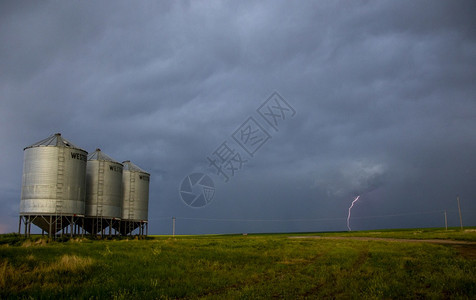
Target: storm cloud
(384,93)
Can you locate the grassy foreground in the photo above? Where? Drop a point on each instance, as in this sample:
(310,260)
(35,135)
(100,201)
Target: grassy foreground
(237,266)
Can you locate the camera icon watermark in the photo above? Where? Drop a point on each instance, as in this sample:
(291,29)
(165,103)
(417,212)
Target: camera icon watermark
(197,190)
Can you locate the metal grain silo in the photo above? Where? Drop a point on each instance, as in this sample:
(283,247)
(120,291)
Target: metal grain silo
(54,181)
(103,186)
(135,184)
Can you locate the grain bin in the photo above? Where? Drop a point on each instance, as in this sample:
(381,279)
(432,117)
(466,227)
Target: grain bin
(54,180)
(103,186)
(135,184)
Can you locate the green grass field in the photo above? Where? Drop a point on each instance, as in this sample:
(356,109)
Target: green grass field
(244,267)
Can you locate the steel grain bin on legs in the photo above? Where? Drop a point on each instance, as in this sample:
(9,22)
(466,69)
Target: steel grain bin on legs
(135,183)
(54,180)
(103,186)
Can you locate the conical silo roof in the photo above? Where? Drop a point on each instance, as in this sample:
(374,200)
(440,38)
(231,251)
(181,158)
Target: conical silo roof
(56,140)
(99,155)
(129,166)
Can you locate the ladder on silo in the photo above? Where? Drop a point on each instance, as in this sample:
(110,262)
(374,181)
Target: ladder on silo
(99,198)
(59,191)
(132,192)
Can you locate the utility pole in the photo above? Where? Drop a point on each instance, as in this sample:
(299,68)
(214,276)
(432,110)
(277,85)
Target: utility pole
(446,222)
(173,226)
(459,210)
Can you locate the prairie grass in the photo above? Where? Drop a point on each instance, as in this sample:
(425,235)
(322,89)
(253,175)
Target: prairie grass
(67,264)
(468,234)
(237,267)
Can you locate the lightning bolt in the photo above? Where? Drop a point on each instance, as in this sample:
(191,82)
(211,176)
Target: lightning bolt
(350,208)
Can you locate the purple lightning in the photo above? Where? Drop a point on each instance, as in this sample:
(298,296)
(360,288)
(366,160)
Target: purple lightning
(348,217)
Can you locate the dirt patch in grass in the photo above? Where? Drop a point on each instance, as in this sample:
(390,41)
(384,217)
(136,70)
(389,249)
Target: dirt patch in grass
(467,251)
(363,256)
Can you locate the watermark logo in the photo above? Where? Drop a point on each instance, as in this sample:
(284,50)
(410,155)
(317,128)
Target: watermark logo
(275,110)
(232,154)
(251,136)
(197,190)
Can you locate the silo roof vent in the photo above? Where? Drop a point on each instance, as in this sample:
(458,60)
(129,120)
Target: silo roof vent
(99,155)
(128,166)
(56,140)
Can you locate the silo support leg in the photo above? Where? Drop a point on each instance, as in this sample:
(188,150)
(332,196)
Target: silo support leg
(19,226)
(93,226)
(29,225)
(50,223)
(71,227)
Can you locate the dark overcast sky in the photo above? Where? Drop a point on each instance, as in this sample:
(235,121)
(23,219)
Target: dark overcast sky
(384,93)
